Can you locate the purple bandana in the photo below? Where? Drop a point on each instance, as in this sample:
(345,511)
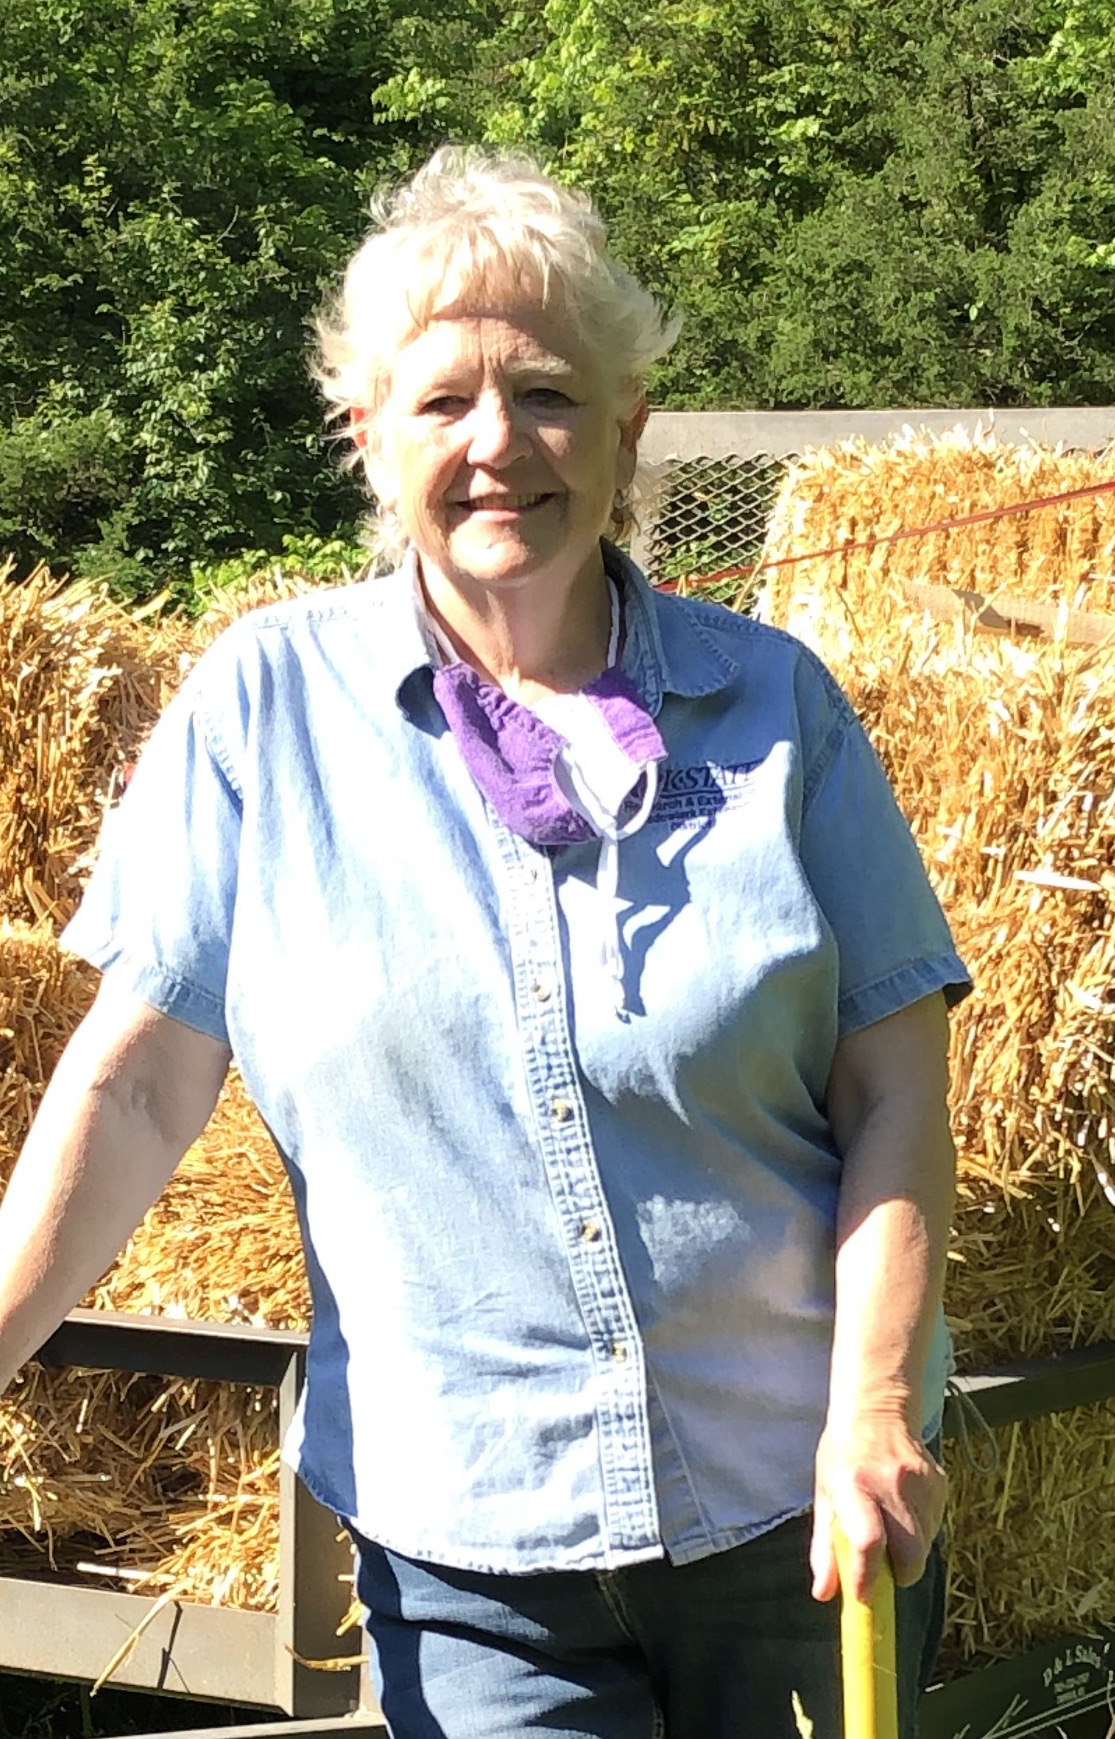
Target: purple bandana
(512,754)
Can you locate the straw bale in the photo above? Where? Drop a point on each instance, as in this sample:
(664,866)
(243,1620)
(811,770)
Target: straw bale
(1004,763)
(176,1484)
(1031,1273)
(1029,1555)
(1014,778)
(43,995)
(222,1242)
(1060,555)
(177,1481)
(1002,754)
(81,683)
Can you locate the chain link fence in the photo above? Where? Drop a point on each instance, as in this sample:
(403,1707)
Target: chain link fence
(706,514)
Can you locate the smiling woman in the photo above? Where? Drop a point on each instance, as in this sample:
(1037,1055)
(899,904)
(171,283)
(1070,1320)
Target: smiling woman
(571,945)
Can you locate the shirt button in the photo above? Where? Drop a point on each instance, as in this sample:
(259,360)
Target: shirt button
(541,991)
(590,1232)
(619,1353)
(560,1110)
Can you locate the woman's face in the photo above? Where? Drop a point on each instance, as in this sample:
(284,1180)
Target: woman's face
(500,449)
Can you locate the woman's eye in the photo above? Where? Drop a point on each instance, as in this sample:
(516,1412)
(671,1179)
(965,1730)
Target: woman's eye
(444,405)
(548,397)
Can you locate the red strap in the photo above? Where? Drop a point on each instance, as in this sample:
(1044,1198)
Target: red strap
(837,549)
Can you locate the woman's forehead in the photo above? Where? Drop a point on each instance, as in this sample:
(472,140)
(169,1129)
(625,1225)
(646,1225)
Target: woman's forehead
(511,339)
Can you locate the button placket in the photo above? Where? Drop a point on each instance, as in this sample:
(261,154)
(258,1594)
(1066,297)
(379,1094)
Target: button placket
(631,1516)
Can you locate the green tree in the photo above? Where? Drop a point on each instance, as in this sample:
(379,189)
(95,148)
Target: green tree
(177,180)
(854,204)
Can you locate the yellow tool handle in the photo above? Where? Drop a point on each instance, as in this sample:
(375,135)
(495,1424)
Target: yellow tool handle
(867,1653)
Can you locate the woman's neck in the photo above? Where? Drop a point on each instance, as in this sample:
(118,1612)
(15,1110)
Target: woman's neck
(528,642)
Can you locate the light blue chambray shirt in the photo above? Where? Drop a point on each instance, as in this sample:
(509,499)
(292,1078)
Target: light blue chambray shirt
(572,1269)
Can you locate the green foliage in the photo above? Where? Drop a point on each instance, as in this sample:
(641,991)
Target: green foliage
(854,204)
(323,560)
(178,181)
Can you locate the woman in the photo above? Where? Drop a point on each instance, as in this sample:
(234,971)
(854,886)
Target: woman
(569,941)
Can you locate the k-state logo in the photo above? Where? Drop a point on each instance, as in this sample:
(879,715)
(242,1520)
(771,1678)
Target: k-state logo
(695,793)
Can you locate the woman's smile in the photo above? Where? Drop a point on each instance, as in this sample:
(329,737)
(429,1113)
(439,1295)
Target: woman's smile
(503,504)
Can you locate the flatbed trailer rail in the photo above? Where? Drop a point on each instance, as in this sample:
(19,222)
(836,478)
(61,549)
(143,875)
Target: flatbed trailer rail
(257,1659)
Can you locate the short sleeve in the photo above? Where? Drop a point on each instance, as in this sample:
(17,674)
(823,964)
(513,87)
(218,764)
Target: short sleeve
(868,878)
(157,912)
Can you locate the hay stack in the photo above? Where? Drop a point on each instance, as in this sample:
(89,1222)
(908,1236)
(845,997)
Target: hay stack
(1014,777)
(854,492)
(161,1485)
(81,683)
(1002,753)
(1003,757)
(222,1242)
(43,995)
(1030,1556)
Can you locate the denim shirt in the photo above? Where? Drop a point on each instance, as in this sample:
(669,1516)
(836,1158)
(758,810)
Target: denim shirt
(572,1266)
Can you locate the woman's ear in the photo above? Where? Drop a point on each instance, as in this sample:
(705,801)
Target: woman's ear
(630,428)
(358,427)
(362,433)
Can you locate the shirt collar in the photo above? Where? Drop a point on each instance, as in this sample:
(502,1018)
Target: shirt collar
(666,649)
(408,647)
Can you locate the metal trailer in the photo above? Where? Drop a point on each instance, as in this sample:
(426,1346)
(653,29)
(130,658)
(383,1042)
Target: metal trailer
(222,1654)
(255,1659)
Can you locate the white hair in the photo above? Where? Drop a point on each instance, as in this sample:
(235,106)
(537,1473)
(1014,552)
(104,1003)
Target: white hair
(474,220)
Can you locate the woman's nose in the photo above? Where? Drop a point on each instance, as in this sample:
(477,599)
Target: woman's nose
(496,432)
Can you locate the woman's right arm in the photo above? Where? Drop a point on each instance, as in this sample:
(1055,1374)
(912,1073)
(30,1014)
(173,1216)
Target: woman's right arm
(132,1091)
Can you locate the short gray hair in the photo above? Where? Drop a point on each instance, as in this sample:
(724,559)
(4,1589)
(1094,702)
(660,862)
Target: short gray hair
(474,218)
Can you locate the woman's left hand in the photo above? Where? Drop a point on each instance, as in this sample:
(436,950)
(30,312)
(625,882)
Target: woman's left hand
(886,1493)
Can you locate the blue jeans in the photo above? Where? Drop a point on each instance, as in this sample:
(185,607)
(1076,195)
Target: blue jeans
(710,1650)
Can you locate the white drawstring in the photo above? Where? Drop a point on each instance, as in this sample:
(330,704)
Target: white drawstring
(607,884)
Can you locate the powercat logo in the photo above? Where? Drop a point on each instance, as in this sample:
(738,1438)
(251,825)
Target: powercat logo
(695,793)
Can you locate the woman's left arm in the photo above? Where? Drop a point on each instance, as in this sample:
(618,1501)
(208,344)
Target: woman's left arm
(887,1103)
